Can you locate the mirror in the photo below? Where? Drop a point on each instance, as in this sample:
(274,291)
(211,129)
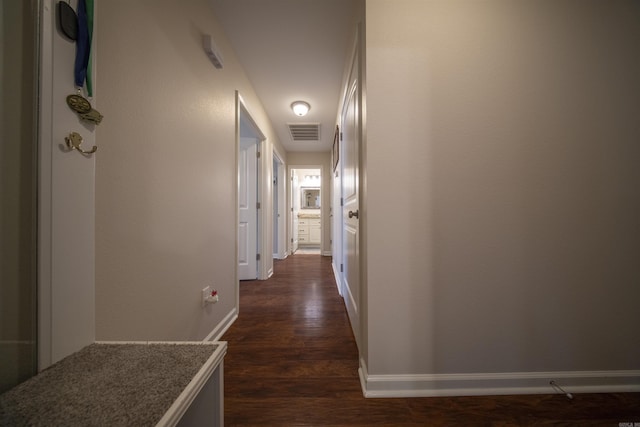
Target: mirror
(310,198)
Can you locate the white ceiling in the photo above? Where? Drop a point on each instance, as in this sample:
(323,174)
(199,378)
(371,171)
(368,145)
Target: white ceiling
(292,50)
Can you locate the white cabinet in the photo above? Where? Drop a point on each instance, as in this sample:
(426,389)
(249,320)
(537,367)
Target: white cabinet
(309,231)
(314,234)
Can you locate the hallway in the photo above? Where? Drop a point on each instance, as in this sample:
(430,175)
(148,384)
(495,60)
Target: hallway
(292,360)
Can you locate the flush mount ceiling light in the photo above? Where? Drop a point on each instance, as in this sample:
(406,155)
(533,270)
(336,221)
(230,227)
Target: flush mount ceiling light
(300,108)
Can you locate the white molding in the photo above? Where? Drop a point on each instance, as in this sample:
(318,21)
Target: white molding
(327,253)
(485,384)
(159,342)
(45,191)
(223,326)
(189,394)
(336,276)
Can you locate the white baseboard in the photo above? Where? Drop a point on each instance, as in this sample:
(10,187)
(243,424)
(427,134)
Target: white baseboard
(480,384)
(327,253)
(336,276)
(222,327)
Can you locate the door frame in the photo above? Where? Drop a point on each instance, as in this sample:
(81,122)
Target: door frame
(323,197)
(66,204)
(280,196)
(337,221)
(355,70)
(247,203)
(264,192)
(351,292)
(292,244)
(243,115)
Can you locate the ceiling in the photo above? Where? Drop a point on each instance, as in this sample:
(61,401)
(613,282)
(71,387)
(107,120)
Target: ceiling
(292,50)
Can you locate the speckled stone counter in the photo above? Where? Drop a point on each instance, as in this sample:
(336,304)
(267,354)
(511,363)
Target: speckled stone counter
(114,384)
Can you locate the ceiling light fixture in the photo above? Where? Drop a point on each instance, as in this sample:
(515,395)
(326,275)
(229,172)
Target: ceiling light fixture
(300,108)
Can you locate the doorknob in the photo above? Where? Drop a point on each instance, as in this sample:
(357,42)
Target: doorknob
(352,214)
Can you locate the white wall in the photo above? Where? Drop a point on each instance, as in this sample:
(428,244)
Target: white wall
(166,173)
(323,159)
(503,205)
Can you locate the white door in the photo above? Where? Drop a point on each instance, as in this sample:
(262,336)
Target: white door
(282,208)
(350,210)
(295,208)
(336,229)
(276,205)
(248,209)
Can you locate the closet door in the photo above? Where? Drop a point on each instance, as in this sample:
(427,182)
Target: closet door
(351,208)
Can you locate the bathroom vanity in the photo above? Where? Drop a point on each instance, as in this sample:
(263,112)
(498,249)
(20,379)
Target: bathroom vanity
(309,229)
(309,224)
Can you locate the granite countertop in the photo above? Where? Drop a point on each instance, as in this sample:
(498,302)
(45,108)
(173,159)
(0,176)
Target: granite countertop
(107,384)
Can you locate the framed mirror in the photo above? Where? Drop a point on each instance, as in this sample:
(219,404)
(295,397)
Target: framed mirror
(310,198)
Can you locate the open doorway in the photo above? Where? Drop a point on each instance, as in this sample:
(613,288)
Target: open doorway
(250,140)
(279,207)
(306,217)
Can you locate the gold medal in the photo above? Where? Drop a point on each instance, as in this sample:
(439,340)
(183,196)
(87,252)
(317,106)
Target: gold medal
(79,104)
(92,116)
(82,107)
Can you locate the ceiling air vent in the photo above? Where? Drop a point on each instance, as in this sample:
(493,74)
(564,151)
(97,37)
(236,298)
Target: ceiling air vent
(304,131)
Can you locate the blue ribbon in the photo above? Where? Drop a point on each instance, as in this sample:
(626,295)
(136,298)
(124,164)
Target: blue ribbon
(83,46)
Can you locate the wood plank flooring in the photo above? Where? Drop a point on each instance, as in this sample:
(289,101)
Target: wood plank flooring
(292,361)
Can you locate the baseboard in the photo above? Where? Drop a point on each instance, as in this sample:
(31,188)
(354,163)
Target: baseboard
(222,327)
(336,276)
(327,253)
(481,384)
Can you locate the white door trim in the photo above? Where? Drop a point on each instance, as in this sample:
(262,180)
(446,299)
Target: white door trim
(325,197)
(66,204)
(247,208)
(292,211)
(353,293)
(263,243)
(281,189)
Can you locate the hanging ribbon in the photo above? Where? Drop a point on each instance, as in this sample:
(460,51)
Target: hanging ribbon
(83,45)
(89,4)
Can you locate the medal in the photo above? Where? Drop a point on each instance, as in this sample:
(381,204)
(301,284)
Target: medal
(82,107)
(79,104)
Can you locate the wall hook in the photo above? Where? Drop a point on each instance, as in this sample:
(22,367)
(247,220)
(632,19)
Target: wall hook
(74,140)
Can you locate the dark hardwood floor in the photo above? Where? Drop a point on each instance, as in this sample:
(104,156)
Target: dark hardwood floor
(292,360)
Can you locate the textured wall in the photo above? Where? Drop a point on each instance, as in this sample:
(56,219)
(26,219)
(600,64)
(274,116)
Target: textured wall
(502,173)
(166,174)
(18,207)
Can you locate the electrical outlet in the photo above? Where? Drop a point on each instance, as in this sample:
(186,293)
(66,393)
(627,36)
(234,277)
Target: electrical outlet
(209,296)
